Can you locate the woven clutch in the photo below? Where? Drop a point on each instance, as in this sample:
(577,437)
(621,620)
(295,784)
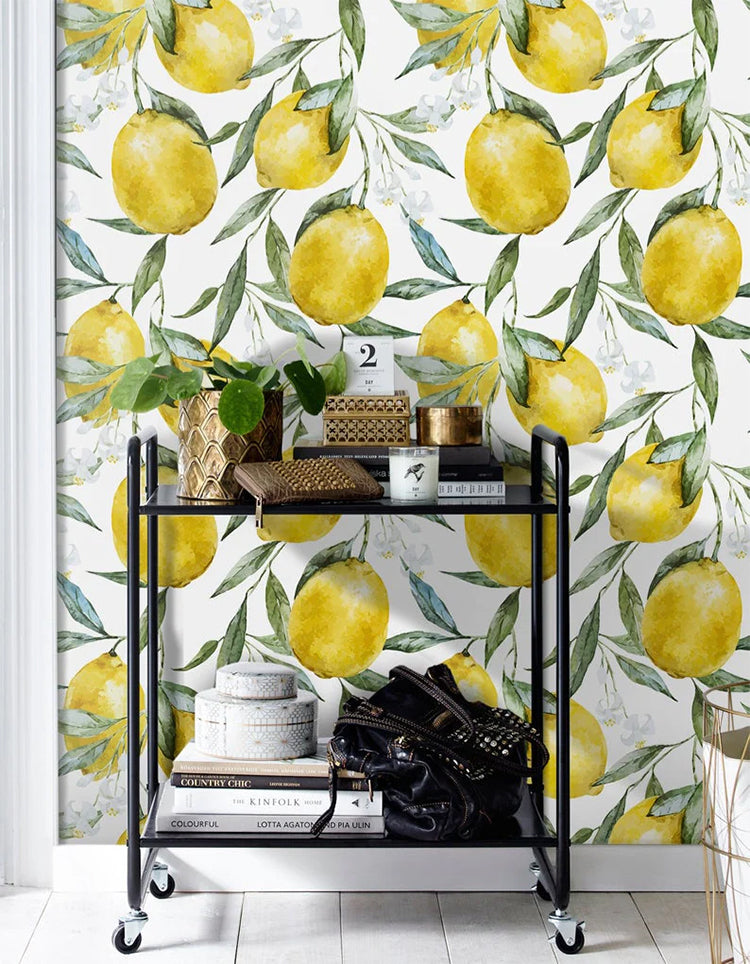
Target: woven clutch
(306,480)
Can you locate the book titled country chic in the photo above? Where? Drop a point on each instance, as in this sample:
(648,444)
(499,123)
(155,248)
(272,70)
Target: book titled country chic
(193,761)
(267,802)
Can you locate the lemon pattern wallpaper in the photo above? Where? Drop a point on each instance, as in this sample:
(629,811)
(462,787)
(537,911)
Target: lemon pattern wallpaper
(545,203)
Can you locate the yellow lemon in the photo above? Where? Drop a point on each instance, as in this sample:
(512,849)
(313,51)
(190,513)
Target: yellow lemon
(171,413)
(292,149)
(124,32)
(339,620)
(500,545)
(691,269)
(107,334)
(163,179)
(474,682)
(691,623)
(296,528)
(644,147)
(187,544)
(213,48)
(184,732)
(461,334)
(517,181)
(567,48)
(588,752)
(644,501)
(476,32)
(339,267)
(636,827)
(569,396)
(101,687)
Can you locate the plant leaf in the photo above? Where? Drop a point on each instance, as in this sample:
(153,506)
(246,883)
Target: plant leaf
(630,57)
(429,16)
(695,114)
(725,328)
(78,252)
(291,322)
(81,51)
(683,202)
(412,288)
(643,674)
(634,408)
(599,566)
(230,298)
(430,53)
(598,144)
(427,368)
(689,553)
(66,153)
(430,251)
(630,763)
(180,696)
(584,297)
(704,372)
(431,605)
(537,345)
(79,405)
(474,224)
(205,652)
(246,213)
(339,552)
(606,827)
(78,605)
(631,610)
(278,609)
(501,625)
(321,95)
(72,509)
(692,822)
(149,270)
(515,18)
(474,578)
(243,149)
(280,56)
(177,108)
(415,641)
(419,153)
(530,108)
(579,131)
(631,255)
(241,406)
(598,495)
(695,467)
(673,95)
(81,757)
(342,115)
(82,371)
(584,648)
(324,205)
(556,301)
(673,801)
(368,327)
(233,643)
(642,321)
(245,567)
(704,18)
(353,24)
(278,255)
(309,386)
(602,211)
(161,16)
(501,272)
(516,368)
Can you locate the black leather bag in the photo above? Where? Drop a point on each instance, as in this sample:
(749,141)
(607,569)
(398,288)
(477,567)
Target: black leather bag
(448,767)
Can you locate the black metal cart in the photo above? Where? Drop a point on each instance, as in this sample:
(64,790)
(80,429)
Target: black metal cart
(529,827)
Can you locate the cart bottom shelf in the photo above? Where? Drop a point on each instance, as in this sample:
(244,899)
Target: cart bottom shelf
(525,829)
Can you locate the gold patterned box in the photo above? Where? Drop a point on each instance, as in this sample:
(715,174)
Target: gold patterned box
(367,419)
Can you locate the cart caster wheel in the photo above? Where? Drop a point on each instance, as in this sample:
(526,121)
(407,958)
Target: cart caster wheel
(118,941)
(573,948)
(541,891)
(162,894)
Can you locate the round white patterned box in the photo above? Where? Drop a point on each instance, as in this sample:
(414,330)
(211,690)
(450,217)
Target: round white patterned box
(257,681)
(244,729)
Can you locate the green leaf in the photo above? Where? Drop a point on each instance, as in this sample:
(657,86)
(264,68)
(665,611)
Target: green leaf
(230,298)
(82,723)
(430,251)
(161,16)
(69,287)
(243,149)
(233,643)
(280,56)
(516,368)
(431,605)
(161,611)
(177,108)
(184,345)
(695,114)
(654,434)
(696,713)
(368,680)
(515,18)
(67,640)
(353,24)
(128,387)
(342,115)
(631,255)
(81,51)
(537,345)
(334,374)
(241,406)
(368,327)
(234,523)
(166,729)
(584,648)
(474,578)
(704,372)
(673,95)
(598,144)
(704,18)
(602,211)
(501,625)
(205,652)
(501,272)
(599,566)
(291,322)
(679,557)
(227,131)
(582,835)
(643,674)
(556,301)
(473,224)
(410,120)
(629,411)
(673,801)
(692,822)
(429,16)
(324,205)
(695,467)
(78,605)
(119,578)
(683,202)
(182,385)
(81,757)
(180,696)
(654,787)
(725,328)
(66,153)
(419,153)
(247,566)
(530,108)
(309,386)
(606,827)
(598,495)
(642,321)
(79,405)
(631,608)
(78,252)
(414,642)
(79,17)
(630,57)
(82,371)
(412,288)
(581,484)
(149,270)
(584,297)
(654,81)
(246,213)
(72,509)
(339,552)
(278,255)
(431,370)
(579,131)
(722,677)
(630,763)
(430,53)
(278,609)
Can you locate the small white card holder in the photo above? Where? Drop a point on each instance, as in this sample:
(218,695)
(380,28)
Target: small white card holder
(369,365)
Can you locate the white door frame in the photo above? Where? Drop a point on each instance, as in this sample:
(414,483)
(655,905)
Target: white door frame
(28,665)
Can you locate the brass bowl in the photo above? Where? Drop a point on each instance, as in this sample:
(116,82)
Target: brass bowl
(449,425)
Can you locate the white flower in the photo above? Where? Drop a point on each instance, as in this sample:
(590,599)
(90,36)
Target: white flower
(418,558)
(476,56)
(739,189)
(112,444)
(388,189)
(739,541)
(412,172)
(636,376)
(411,523)
(638,728)
(283,23)
(610,357)
(438,73)
(435,110)
(113,798)
(417,205)
(602,321)
(609,9)
(637,23)
(68,558)
(83,112)
(377,155)
(610,710)
(82,819)
(387,540)
(69,205)
(113,93)
(82,464)
(465,93)
(85,74)
(257,9)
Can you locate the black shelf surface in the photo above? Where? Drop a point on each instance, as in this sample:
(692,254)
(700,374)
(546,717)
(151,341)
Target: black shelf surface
(517,501)
(525,829)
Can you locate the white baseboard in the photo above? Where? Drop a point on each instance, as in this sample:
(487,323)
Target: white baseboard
(89,868)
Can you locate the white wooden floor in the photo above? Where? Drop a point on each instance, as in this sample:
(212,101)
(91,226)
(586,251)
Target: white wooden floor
(37,927)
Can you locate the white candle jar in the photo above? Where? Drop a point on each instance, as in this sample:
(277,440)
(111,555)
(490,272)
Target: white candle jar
(414,473)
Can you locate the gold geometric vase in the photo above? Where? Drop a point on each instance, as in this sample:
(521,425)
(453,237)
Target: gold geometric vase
(209,452)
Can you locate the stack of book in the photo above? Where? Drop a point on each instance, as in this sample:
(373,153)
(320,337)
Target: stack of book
(211,795)
(466,471)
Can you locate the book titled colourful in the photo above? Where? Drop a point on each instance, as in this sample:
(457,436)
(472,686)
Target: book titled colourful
(274,802)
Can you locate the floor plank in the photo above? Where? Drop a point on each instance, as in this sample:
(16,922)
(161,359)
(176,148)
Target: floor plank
(290,929)
(384,928)
(678,924)
(494,929)
(20,910)
(615,931)
(186,929)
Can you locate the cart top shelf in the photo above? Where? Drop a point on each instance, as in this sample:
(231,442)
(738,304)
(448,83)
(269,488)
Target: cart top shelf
(517,501)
